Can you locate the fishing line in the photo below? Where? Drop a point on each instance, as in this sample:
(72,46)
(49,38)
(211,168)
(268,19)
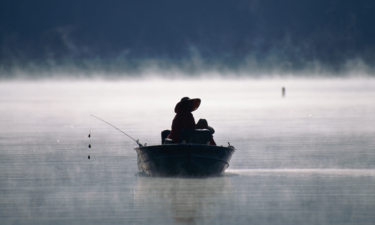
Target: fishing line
(137,141)
(89,135)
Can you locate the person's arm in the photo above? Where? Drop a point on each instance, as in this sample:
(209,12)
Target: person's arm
(176,129)
(212,142)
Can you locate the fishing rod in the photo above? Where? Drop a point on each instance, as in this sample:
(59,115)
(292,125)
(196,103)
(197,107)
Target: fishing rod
(140,145)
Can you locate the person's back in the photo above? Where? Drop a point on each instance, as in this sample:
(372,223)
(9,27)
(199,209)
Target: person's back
(183,120)
(202,124)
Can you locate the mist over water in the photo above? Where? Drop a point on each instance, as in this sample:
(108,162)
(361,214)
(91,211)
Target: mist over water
(190,67)
(249,38)
(306,158)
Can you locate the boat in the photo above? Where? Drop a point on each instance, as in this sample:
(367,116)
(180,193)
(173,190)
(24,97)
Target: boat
(193,157)
(186,160)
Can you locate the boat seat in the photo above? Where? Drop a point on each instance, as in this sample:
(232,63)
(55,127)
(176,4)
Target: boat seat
(196,136)
(164,135)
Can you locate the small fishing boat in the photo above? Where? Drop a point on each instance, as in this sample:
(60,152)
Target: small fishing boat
(193,157)
(183,159)
(186,159)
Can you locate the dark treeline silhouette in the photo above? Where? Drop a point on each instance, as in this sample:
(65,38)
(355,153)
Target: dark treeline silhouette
(290,33)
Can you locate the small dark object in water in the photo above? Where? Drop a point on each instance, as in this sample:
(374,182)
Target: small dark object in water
(283,91)
(88,157)
(89,146)
(89,135)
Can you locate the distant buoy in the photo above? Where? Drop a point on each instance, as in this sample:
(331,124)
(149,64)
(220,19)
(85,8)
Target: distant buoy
(283,91)
(89,135)
(88,157)
(89,146)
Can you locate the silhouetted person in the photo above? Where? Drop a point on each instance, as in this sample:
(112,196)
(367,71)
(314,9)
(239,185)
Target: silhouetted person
(202,124)
(184,118)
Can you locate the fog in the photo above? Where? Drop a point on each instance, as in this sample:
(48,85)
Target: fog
(196,68)
(302,158)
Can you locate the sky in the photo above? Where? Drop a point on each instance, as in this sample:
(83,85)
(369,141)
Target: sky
(291,35)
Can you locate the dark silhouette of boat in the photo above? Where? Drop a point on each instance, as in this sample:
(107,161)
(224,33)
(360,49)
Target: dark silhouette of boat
(184,159)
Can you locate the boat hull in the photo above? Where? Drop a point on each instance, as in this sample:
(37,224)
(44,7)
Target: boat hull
(185,160)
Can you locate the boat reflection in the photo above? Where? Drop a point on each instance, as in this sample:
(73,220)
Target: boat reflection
(189,201)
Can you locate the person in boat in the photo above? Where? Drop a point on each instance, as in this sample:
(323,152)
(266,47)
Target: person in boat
(184,118)
(202,124)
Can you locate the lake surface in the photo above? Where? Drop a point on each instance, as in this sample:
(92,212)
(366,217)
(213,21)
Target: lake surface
(306,158)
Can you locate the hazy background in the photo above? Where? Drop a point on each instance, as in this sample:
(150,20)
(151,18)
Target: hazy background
(127,38)
(306,158)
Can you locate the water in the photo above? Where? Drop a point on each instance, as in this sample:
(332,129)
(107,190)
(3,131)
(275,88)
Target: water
(308,158)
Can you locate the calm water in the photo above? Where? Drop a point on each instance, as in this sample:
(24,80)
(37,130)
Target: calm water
(308,158)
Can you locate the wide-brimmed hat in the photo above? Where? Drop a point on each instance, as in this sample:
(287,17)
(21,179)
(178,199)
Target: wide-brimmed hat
(184,100)
(202,123)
